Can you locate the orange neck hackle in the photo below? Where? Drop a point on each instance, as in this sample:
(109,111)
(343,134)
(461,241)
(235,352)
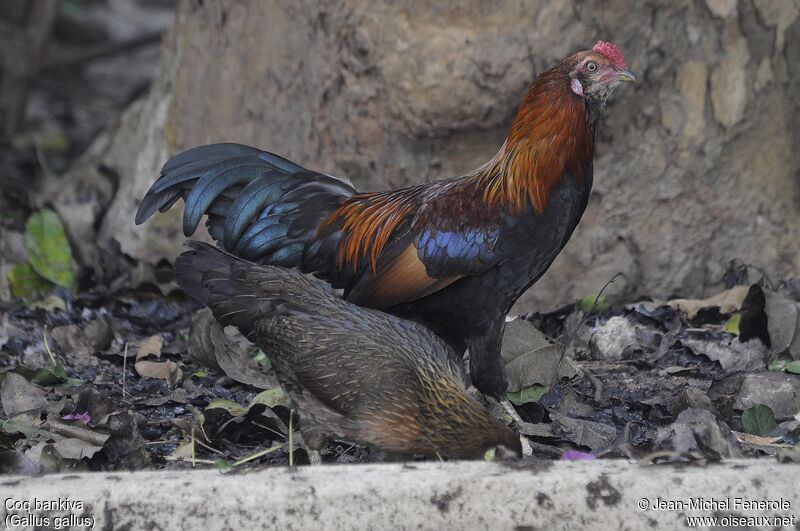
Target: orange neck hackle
(550,136)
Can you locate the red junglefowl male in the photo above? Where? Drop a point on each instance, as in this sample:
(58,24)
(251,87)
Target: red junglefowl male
(353,373)
(453,254)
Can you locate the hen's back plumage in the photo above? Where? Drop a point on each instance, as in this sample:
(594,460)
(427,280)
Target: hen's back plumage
(354,373)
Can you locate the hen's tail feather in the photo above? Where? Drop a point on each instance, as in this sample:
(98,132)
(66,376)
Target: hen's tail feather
(260,206)
(224,283)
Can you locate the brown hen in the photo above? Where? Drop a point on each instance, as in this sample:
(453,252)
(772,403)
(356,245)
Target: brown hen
(353,373)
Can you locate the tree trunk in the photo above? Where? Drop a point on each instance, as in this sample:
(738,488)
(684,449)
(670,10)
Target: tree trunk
(697,165)
(24,28)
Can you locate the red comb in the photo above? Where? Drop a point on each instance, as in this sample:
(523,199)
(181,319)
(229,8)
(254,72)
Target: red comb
(612,51)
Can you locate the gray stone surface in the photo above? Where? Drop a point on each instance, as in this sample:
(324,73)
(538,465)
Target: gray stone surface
(562,495)
(778,390)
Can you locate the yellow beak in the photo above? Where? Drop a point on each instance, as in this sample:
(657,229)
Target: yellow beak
(625,75)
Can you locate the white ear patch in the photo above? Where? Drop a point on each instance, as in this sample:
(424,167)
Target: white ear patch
(576,86)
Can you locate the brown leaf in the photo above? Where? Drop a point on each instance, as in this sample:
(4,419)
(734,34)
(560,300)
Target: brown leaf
(76,431)
(728,301)
(749,438)
(20,396)
(75,448)
(783,323)
(583,432)
(84,339)
(226,350)
(531,358)
(150,347)
(164,370)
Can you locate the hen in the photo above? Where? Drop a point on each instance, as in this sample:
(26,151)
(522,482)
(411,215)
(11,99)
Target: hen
(354,373)
(453,254)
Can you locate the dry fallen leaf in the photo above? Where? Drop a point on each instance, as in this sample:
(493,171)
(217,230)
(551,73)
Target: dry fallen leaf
(75,449)
(783,323)
(226,350)
(84,339)
(164,370)
(749,438)
(728,301)
(531,358)
(150,347)
(20,396)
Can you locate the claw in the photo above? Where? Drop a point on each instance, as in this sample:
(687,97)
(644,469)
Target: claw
(506,410)
(526,445)
(510,411)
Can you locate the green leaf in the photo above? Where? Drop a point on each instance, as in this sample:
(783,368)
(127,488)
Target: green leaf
(222,464)
(732,325)
(202,373)
(587,304)
(47,377)
(793,367)
(532,393)
(236,410)
(779,364)
(49,252)
(28,284)
(759,420)
(18,425)
(262,359)
(270,398)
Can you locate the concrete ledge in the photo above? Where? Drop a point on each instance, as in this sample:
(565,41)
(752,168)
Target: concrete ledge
(600,494)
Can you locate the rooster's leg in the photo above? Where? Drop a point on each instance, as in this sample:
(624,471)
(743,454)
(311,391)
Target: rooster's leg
(314,457)
(504,410)
(508,408)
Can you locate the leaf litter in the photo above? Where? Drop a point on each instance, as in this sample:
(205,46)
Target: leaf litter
(143,378)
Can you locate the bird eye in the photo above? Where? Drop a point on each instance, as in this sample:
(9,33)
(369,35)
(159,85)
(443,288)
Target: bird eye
(591,67)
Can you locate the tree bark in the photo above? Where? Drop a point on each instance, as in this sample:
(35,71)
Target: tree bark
(24,30)
(696,165)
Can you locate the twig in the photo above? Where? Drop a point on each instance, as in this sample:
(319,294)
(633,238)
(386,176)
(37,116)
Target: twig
(279,434)
(345,452)
(208,447)
(124,369)
(47,346)
(193,450)
(128,402)
(256,455)
(598,385)
(198,461)
(291,439)
(41,159)
(570,335)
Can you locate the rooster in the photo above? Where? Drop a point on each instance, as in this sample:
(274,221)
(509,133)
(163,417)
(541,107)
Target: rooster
(453,254)
(353,373)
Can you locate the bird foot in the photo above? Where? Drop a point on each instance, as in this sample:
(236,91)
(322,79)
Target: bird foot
(527,449)
(508,408)
(504,410)
(314,457)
